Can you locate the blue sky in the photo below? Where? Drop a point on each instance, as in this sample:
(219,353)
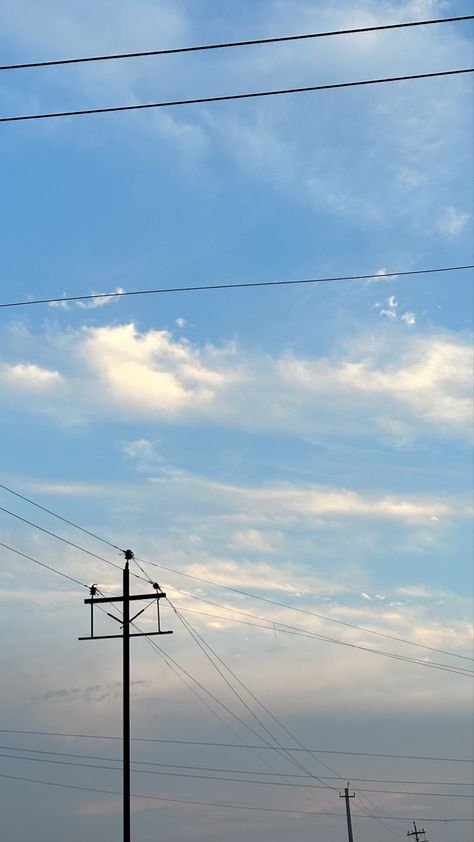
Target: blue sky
(309,444)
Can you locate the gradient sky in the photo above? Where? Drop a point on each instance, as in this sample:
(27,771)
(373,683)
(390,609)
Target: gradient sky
(307,444)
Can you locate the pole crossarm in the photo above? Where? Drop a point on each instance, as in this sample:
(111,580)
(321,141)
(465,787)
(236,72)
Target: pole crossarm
(111,636)
(418,833)
(133,597)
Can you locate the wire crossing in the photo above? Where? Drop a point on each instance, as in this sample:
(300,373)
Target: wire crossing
(80,112)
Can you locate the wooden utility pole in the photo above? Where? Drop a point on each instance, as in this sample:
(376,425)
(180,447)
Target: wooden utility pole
(125,622)
(347,795)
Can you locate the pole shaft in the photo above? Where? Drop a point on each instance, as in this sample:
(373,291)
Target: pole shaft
(348,814)
(126,704)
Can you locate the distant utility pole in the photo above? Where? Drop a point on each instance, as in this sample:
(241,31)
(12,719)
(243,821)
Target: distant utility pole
(417,834)
(347,795)
(125,622)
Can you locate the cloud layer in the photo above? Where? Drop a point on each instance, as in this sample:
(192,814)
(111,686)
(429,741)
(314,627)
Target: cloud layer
(372,385)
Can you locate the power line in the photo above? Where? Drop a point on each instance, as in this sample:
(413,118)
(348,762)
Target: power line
(213,778)
(42,564)
(217,584)
(233,771)
(286,629)
(60,517)
(234,745)
(64,541)
(248,285)
(232,97)
(226,805)
(295,608)
(206,649)
(225,45)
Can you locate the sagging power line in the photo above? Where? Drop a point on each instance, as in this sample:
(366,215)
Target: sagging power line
(230,44)
(283,627)
(68,734)
(65,299)
(81,112)
(147,578)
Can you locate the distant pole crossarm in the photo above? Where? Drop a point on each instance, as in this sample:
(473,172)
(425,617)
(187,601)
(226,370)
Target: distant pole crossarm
(125,622)
(347,795)
(418,833)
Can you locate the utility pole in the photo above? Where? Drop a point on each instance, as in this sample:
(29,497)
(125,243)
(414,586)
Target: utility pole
(347,795)
(125,622)
(417,833)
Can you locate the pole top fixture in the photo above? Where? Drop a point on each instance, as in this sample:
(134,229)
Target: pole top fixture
(128,555)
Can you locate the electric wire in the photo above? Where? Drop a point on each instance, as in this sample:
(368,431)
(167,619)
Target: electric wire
(198,638)
(222,586)
(229,44)
(204,646)
(207,704)
(252,772)
(277,626)
(255,748)
(65,541)
(299,610)
(42,564)
(234,745)
(214,778)
(284,752)
(60,517)
(244,285)
(226,805)
(80,112)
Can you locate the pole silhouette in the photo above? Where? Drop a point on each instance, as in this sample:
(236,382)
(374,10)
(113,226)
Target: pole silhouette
(125,622)
(347,796)
(417,833)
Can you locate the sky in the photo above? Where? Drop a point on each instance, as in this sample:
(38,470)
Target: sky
(309,445)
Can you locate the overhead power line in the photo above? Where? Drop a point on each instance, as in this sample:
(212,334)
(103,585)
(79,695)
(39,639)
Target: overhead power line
(229,806)
(243,285)
(209,582)
(68,734)
(80,112)
(42,564)
(295,608)
(220,779)
(64,541)
(273,626)
(60,517)
(227,44)
(253,772)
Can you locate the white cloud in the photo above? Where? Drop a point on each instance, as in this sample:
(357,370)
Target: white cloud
(60,305)
(370,385)
(143,453)
(392,301)
(93,303)
(180,322)
(29,377)
(409,318)
(388,314)
(151,373)
(254,540)
(381,275)
(453,222)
